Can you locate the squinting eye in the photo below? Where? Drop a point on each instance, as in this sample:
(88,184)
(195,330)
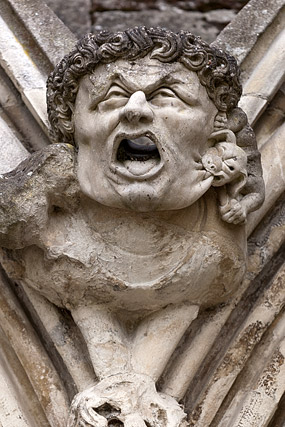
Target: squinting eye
(116,92)
(165,97)
(116,97)
(162,93)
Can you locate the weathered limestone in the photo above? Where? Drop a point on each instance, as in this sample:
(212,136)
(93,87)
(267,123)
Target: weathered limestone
(72,222)
(32,90)
(262,72)
(236,344)
(12,151)
(28,63)
(30,352)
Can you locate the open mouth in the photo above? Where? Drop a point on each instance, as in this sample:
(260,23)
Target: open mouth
(139,149)
(137,157)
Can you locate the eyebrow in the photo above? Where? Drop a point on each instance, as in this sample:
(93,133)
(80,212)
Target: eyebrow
(169,79)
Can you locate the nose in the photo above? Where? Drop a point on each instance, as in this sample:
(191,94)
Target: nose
(137,110)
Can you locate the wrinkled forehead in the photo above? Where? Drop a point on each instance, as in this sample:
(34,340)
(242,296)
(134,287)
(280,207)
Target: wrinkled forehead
(142,74)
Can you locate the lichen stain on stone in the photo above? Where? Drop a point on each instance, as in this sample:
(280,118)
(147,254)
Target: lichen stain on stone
(275,297)
(235,360)
(276,237)
(241,350)
(195,415)
(269,379)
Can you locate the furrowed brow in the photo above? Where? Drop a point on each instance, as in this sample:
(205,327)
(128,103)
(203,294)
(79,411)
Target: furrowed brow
(133,86)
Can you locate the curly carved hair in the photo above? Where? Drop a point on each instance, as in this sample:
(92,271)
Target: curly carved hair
(217,70)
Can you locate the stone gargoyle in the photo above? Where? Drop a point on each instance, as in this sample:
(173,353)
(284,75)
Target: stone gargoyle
(135,218)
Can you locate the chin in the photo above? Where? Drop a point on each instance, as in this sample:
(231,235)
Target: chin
(141,202)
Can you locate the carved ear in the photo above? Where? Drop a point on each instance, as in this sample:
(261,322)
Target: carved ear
(224,135)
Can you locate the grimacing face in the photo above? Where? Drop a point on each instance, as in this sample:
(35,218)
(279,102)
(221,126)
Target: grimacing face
(141,128)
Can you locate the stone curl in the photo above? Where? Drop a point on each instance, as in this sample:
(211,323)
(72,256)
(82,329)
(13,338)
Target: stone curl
(217,70)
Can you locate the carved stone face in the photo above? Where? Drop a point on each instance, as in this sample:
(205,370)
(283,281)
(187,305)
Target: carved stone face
(141,128)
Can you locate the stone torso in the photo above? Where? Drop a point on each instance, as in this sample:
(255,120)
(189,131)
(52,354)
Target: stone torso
(134,261)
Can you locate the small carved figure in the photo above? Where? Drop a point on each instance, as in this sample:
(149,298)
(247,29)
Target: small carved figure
(227,163)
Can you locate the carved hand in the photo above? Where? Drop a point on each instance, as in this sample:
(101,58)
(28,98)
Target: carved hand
(233,212)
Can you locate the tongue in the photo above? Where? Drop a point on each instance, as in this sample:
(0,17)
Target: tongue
(141,145)
(140,168)
(138,155)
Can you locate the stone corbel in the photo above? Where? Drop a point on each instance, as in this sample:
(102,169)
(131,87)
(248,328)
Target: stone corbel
(142,223)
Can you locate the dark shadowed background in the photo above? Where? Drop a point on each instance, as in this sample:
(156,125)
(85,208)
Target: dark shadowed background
(202,17)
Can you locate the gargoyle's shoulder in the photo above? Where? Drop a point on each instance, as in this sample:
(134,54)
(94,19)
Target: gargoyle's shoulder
(28,193)
(53,162)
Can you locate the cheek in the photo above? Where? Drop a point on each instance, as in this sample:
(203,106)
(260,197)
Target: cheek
(201,125)
(95,124)
(192,137)
(84,157)
(81,128)
(87,128)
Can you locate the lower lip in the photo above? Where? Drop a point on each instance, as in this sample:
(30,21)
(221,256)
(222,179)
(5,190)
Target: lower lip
(137,170)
